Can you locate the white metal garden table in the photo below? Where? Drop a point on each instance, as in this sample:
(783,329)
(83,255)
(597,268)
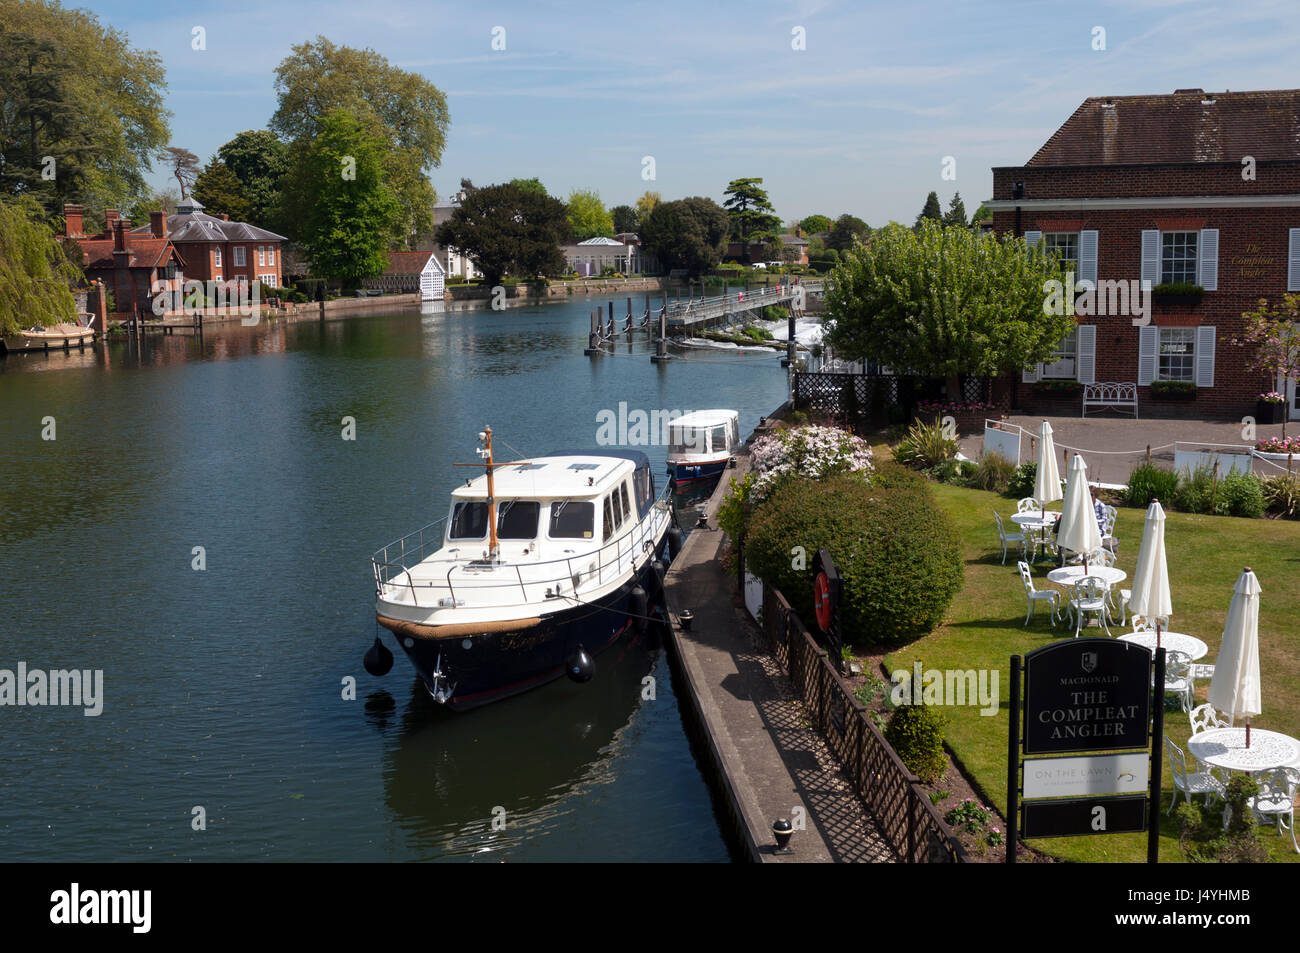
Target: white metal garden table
(1226,748)
(1172,642)
(1070,575)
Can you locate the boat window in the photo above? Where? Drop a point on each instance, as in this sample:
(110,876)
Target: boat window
(618,513)
(517,519)
(609,521)
(573,519)
(719,437)
(622,492)
(468,521)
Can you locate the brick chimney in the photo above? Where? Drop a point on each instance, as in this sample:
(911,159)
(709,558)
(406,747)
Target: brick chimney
(72,215)
(158,224)
(119,234)
(110,216)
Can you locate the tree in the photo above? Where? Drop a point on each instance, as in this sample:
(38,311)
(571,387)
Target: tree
(624,217)
(220,191)
(816,224)
(646,204)
(337,193)
(507,230)
(1274,333)
(259,160)
(81,111)
(944,302)
(403,109)
(35,272)
(587,216)
(847,231)
(982,214)
(184,165)
(688,233)
(531,185)
(165,200)
(931,210)
(749,211)
(956,214)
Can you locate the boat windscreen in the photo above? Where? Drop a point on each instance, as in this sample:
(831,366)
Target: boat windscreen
(572,519)
(468,521)
(517,519)
(718,438)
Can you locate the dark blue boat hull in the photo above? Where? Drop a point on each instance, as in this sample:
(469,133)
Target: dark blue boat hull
(686,472)
(491,666)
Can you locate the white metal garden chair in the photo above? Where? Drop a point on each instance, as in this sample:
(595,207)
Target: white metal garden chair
(1004,537)
(1033,594)
(1028,505)
(1204,717)
(1276,800)
(1191,783)
(1107,526)
(1089,595)
(1178,677)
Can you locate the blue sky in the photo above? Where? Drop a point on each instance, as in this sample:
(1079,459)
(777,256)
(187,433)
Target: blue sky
(859,121)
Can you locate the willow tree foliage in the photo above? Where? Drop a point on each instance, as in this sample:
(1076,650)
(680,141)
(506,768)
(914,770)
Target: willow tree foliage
(35,273)
(588,217)
(944,302)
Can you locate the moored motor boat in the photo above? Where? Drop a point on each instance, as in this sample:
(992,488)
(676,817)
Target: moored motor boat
(701,444)
(63,335)
(539,566)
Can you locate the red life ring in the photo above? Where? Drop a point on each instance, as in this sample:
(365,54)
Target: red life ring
(822,601)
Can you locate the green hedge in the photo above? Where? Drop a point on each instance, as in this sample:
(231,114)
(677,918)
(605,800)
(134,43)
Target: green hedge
(916,733)
(897,551)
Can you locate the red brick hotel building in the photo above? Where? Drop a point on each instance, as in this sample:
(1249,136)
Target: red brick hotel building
(1188,188)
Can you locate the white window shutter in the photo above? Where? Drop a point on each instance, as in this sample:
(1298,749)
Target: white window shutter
(1151,256)
(1088,256)
(1293,261)
(1209,270)
(1033,238)
(1148,348)
(1085,363)
(1205,356)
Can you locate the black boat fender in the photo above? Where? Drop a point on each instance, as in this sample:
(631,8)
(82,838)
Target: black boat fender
(579,666)
(378,661)
(674,542)
(638,606)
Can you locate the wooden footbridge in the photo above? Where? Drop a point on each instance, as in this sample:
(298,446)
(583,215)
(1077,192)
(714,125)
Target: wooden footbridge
(680,316)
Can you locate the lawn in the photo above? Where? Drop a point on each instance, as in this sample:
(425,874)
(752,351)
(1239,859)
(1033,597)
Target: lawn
(1206,555)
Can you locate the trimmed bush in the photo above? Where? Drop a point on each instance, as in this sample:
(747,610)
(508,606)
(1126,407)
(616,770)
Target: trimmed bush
(1022,480)
(897,552)
(916,733)
(1148,482)
(1242,494)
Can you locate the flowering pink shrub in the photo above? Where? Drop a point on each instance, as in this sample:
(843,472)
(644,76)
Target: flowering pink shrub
(952,406)
(811,452)
(1272,397)
(1278,445)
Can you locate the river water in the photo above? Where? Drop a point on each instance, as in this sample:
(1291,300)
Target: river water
(223,687)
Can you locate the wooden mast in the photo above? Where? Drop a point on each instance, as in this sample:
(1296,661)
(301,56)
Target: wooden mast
(492,499)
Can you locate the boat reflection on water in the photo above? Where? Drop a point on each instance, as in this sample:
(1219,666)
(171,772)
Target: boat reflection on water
(527,762)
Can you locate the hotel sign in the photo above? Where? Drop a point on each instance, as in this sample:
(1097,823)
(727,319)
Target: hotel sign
(1087,695)
(1080,816)
(1088,775)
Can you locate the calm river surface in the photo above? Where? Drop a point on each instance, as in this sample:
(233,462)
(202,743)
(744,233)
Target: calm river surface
(223,687)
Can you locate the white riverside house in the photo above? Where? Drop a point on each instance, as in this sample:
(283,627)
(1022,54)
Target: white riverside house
(411,271)
(623,254)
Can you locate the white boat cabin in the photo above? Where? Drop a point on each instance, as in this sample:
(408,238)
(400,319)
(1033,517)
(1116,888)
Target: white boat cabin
(703,437)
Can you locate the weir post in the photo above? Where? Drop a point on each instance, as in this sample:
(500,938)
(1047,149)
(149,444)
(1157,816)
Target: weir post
(661,355)
(788,360)
(593,339)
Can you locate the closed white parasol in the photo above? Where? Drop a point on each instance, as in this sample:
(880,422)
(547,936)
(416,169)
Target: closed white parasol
(1234,688)
(1047,479)
(1150,595)
(1078,530)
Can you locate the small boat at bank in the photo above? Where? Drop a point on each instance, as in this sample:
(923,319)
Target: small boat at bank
(701,444)
(539,566)
(64,335)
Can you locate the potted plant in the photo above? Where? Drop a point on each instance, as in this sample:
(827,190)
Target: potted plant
(1178,292)
(1173,390)
(1059,389)
(1269,407)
